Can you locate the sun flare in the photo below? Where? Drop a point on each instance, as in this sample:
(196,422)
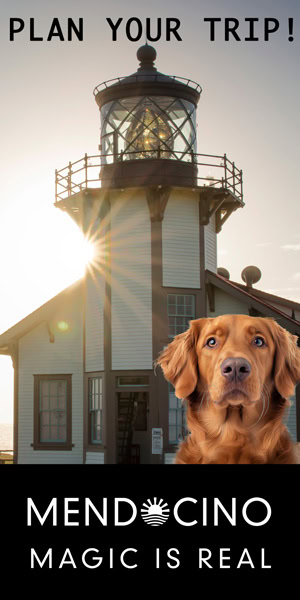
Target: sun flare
(79,251)
(87,251)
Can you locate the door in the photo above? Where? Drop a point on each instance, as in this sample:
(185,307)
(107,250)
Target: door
(133,436)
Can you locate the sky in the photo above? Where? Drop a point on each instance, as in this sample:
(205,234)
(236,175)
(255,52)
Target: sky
(249,109)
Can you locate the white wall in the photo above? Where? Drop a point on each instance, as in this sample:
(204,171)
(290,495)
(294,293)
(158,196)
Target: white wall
(169,458)
(180,241)
(210,244)
(94,458)
(94,324)
(37,356)
(226,304)
(285,309)
(131,294)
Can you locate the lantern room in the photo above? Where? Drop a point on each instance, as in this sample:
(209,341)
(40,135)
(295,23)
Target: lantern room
(152,123)
(148,116)
(148,140)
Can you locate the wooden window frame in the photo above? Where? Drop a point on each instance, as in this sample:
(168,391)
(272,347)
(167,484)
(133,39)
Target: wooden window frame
(183,410)
(52,446)
(89,446)
(90,442)
(175,315)
(129,386)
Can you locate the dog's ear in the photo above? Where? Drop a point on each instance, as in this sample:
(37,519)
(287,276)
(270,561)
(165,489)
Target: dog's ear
(179,360)
(286,360)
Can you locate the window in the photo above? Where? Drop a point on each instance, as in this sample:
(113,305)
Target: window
(181,309)
(52,412)
(134,381)
(177,418)
(95,399)
(291,419)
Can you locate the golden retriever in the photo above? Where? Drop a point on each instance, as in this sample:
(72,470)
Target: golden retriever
(237,374)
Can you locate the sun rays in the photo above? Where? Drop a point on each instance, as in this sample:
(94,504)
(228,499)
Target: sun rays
(121,256)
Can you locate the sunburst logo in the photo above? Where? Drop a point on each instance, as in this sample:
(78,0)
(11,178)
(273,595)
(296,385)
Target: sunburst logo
(155,513)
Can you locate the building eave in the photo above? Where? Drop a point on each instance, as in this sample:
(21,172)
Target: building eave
(38,316)
(253,301)
(269,297)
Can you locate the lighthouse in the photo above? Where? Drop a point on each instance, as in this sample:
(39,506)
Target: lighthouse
(152,203)
(153,206)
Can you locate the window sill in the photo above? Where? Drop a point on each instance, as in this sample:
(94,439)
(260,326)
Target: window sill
(53,447)
(95,448)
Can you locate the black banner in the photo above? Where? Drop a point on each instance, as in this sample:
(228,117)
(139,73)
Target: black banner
(168,521)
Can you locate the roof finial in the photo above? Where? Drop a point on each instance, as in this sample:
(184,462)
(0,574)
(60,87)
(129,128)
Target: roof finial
(146,55)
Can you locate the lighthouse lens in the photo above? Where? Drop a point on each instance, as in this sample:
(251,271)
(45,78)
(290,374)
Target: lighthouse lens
(148,133)
(148,127)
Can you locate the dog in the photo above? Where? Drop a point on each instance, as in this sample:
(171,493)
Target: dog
(237,374)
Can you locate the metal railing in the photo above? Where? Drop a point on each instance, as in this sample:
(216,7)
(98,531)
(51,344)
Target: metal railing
(158,77)
(212,170)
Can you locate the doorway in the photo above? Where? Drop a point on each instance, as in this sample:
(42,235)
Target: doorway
(133,417)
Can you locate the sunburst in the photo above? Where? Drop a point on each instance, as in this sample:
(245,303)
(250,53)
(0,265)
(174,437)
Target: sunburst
(155,513)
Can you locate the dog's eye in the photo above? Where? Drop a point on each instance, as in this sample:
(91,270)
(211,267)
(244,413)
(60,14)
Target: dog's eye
(259,341)
(211,342)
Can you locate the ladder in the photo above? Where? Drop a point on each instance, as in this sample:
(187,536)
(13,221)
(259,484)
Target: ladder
(127,412)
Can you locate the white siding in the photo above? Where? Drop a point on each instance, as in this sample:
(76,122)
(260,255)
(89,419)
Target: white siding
(210,244)
(94,458)
(287,310)
(225,304)
(169,458)
(180,241)
(94,331)
(131,294)
(37,356)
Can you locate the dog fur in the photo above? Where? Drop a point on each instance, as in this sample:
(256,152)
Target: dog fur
(234,413)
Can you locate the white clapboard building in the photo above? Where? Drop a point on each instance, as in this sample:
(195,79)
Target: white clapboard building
(85,390)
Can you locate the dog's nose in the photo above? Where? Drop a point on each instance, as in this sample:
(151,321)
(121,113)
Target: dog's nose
(235,369)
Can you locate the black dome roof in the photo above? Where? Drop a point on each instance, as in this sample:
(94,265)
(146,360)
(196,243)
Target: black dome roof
(147,80)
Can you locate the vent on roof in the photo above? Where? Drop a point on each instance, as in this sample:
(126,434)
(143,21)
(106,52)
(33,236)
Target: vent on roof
(223,272)
(251,275)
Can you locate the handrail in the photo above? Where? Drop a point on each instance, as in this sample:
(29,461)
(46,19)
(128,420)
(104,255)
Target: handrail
(68,180)
(136,77)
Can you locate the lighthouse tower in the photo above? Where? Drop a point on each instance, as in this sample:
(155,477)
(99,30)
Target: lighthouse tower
(153,207)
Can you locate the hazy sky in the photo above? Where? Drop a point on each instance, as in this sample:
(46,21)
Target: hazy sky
(249,109)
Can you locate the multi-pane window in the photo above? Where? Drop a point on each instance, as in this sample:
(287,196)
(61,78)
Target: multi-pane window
(177,418)
(291,419)
(52,412)
(95,398)
(181,309)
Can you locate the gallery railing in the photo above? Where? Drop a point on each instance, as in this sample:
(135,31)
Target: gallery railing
(151,77)
(212,170)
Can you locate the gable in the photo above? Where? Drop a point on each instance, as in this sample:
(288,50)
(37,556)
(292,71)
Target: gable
(43,314)
(226,304)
